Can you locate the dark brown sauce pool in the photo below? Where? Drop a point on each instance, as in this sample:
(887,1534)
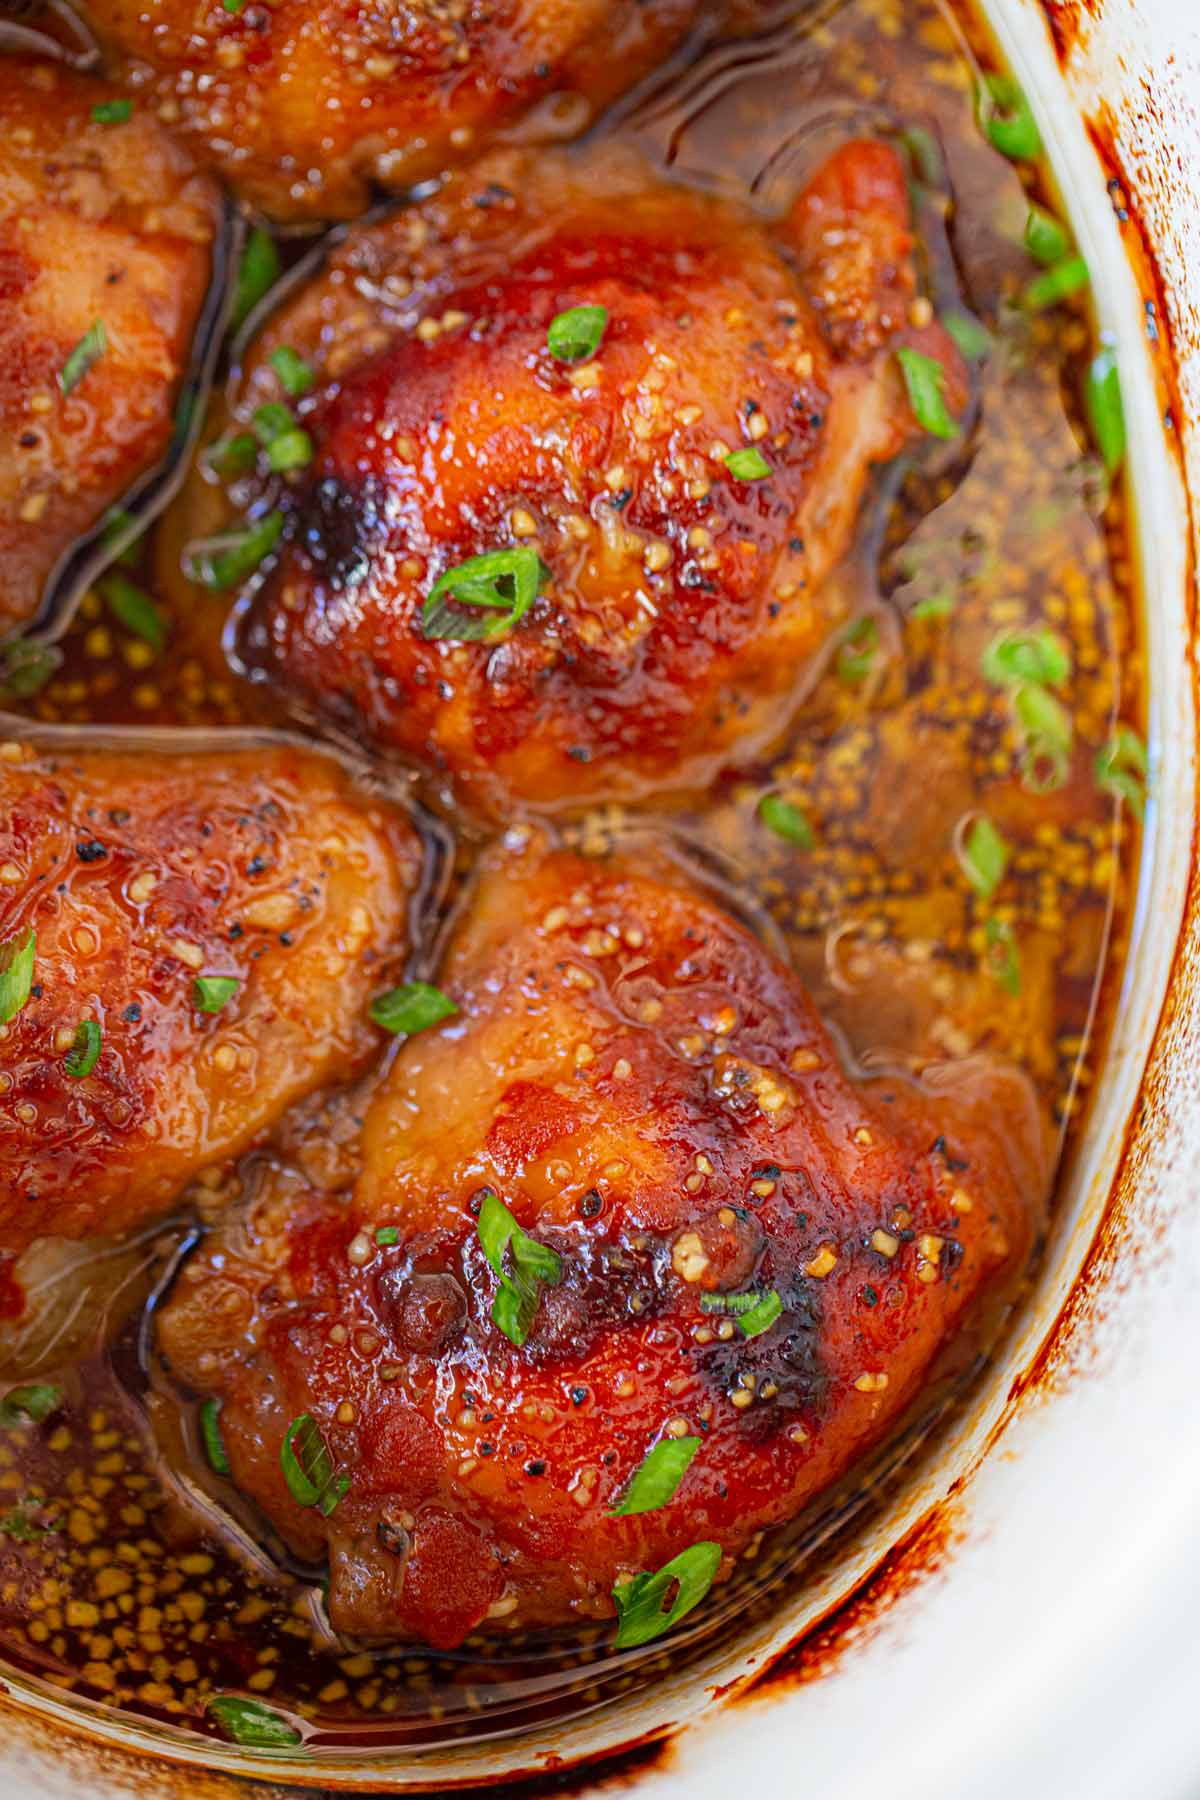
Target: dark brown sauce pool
(118,1586)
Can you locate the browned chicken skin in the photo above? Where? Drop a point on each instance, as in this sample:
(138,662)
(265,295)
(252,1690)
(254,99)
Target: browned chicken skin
(684,598)
(651,1095)
(103,222)
(303,103)
(138,872)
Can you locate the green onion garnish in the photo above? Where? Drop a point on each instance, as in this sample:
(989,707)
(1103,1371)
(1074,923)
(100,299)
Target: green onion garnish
(925,155)
(308,1468)
(211,992)
(1045,727)
(933,606)
(120,527)
(1106,414)
(84,1053)
(387,1235)
(1004,115)
(36,1401)
(25,668)
(924,378)
(226,561)
(1002,958)
(1046,238)
(272,420)
(533,1265)
(1121,768)
(748,465)
(85,355)
(786,821)
(983,856)
(234,455)
(133,609)
(503,582)
(856,653)
(290,450)
(294,373)
(413,1007)
(210,1432)
(257,274)
(968,334)
(1020,656)
(16,972)
(233,6)
(639,1600)
(19,1525)
(1058,283)
(657,1477)
(112,112)
(575,335)
(249,1721)
(753,1312)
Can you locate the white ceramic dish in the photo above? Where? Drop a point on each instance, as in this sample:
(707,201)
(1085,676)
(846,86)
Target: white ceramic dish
(1035,1631)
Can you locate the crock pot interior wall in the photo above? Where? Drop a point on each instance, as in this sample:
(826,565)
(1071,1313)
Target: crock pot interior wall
(1062,1602)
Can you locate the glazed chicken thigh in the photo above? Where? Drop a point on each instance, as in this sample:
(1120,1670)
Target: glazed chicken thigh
(304,103)
(623,1211)
(188,943)
(106,235)
(661,502)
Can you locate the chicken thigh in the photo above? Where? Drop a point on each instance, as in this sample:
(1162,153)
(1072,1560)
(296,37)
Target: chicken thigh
(631,1264)
(585,447)
(106,245)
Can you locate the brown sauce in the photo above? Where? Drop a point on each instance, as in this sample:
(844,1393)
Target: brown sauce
(119,1586)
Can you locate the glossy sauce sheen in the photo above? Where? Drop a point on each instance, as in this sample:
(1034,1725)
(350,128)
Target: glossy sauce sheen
(683,605)
(97,221)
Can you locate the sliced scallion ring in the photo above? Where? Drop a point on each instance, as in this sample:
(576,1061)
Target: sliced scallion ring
(576,334)
(982,854)
(657,1477)
(17,955)
(84,1053)
(640,1600)
(482,599)
(925,380)
(413,1007)
(786,820)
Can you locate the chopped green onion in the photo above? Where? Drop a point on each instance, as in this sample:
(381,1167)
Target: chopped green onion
(210,1432)
(753,1312)
(16,972)
(226,561)
(19,1525)
(257,274)
(1020,656)
(575,334)
(786,821)
(249,1722)
(85,355)
(1002,958)
(117,525)
(25,668)
(211,992)
(133,609)
(36,1401)
(232,455)
(290,450)
(748,465)
(500,581)
(233,6)
(639,1600)
(387,1235)
(983,856)
(1045,726)
(1004,115)
(84,1053)
(1106,414)
(1059,283)
(533,1265)
(1046,238)
(657,1477)
(925,378)
(856,653)
(308,1468)
(112,112)
(272,420)
(968,334)
(1122,767)
(933,606)
(413,1007)
(294,373)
